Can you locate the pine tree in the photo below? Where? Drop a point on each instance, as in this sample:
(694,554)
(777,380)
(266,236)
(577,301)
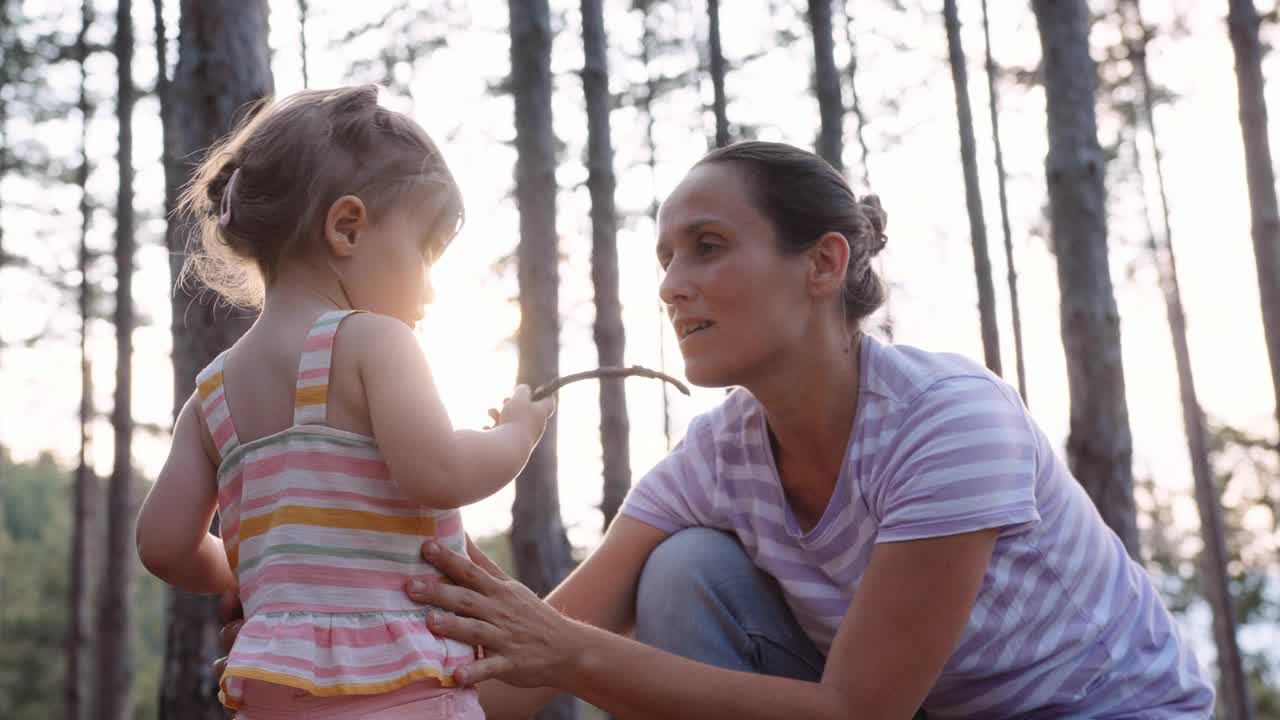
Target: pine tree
(610,336)
(115,665)
(77,640)
(826,83)
(1099,445)
(972,191)
(540,548)
(1214,555)
(1001,176)
(1264,212)
(223,68)
(303,15)
(855,101)
(719,103)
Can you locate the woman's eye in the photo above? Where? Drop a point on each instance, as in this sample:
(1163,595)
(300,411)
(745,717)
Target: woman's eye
(705,247)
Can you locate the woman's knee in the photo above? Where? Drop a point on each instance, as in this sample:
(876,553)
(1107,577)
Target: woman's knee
(681,599)
(701,596)
(692,559)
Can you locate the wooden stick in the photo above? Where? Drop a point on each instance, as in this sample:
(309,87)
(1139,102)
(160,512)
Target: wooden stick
(605,372)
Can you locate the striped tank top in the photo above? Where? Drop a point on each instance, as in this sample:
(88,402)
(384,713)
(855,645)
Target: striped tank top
(322,541)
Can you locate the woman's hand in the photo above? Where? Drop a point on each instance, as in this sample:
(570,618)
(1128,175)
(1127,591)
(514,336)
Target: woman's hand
(526,642)
(232,616)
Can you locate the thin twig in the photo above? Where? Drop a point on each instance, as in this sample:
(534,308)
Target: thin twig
(605,372)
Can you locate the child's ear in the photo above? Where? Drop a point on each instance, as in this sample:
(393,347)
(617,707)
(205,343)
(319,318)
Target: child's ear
(346,219)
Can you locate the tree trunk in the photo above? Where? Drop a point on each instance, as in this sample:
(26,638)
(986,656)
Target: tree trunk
(115,662)
(826,83)
(610,337)
(855,105)
(646,104)
(1099,446)
(972,191)
(719,103)
(1235,689)
(1263,212)
(76,641)
(539,546)
(6,36)
(302,41)
(223,66)
(1004,208)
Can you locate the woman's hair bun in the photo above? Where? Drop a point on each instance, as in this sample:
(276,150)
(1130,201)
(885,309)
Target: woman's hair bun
(875,214)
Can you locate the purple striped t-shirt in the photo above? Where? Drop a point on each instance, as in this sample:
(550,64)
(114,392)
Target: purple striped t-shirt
(1065,623)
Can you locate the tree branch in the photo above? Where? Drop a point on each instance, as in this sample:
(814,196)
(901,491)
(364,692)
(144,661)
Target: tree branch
(606,372)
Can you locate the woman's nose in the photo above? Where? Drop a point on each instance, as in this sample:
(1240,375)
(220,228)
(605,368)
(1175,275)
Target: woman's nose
(675,285)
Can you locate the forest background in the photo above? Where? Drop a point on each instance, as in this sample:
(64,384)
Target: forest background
(950,112)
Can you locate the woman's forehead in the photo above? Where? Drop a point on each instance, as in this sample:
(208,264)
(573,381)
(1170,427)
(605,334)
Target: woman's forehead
(710,192)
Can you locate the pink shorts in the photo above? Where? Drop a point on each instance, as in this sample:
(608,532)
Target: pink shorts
(268,701)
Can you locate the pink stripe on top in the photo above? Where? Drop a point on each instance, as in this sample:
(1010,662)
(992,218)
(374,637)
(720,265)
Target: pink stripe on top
(264,465)
(313,373)
(318,342)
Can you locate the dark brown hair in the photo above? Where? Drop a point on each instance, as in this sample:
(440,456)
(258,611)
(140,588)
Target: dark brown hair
(805,198)
(291,160)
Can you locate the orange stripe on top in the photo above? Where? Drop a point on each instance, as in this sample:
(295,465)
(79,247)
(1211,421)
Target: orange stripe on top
(336,518)
(212,383)
(314,395)
(445,679)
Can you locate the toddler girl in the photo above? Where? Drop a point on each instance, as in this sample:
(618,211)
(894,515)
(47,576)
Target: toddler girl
(319,437)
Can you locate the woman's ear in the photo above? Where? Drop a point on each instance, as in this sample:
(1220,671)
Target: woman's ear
(346,219)
(828,265)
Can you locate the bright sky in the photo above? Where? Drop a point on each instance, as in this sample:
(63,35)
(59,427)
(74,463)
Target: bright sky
(914,165)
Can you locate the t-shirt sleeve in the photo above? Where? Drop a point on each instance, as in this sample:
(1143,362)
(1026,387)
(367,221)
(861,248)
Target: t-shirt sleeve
(678,492)
(964,460)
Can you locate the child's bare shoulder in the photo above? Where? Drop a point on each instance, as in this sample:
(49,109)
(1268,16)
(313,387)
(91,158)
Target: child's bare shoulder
(372,336)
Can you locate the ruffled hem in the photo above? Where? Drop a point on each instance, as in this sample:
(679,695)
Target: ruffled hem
(340,654)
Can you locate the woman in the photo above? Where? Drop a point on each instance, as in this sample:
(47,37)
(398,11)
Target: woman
(858,530)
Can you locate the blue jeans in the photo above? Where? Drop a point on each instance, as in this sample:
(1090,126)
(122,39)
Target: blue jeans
(701,597)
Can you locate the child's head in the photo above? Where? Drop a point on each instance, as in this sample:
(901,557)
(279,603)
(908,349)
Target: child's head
(321,176)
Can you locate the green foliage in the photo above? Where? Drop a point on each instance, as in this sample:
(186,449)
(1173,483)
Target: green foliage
(35,532)
(1247,475)
(32,606)
(498,548)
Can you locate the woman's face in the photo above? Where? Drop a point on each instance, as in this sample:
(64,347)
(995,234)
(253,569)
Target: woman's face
(738,305)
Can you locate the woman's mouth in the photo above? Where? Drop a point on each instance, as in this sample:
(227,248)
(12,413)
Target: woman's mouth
(686,328)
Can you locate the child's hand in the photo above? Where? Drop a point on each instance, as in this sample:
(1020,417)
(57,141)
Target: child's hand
(520,409)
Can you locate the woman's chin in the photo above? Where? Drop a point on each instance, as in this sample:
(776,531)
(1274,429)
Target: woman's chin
(708,375)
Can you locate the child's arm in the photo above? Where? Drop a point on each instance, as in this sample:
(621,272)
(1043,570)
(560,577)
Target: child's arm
(434,464)
(173,537)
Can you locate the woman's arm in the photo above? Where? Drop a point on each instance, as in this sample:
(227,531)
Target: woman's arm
(172,533)
(910,610)
(601,592)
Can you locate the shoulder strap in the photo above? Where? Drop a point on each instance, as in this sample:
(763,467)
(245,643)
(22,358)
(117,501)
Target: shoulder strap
(311,398)
(213,406)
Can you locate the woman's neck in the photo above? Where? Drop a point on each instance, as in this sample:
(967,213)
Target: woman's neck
(810,413)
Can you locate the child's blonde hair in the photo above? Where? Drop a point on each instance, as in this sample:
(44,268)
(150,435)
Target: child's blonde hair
(262,192)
